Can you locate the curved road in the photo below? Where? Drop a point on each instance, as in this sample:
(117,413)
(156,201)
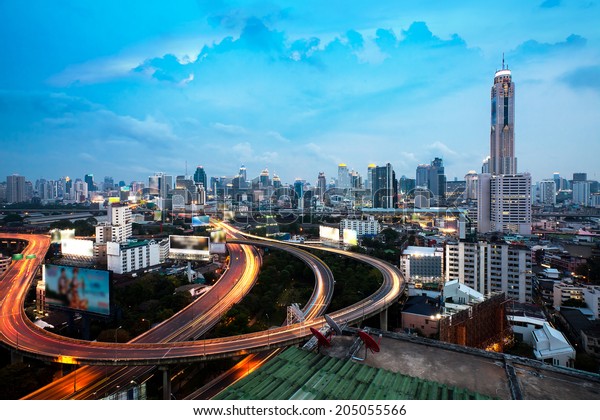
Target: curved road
(192,321)
(41,344)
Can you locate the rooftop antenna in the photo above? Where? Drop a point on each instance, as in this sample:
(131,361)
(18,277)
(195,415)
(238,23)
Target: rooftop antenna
(502,61)
(186,169)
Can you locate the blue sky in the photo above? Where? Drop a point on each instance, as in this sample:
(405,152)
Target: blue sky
(127,89)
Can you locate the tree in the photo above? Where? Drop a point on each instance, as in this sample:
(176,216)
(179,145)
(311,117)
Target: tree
(12,218)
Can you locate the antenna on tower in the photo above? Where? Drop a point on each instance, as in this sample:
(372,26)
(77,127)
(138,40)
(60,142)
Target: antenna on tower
(502,61)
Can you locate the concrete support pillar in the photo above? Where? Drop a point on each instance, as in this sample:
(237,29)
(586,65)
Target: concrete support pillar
(383,320)
(166,382)
(15,358)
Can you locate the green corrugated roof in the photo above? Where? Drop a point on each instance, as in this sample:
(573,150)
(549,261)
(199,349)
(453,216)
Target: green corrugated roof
(302,375)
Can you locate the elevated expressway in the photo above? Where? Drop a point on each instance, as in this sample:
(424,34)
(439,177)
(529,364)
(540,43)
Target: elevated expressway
(18,332)
(191,322)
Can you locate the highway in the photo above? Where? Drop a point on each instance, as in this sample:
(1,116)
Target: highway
(197,318)
(193,321)
(19,333)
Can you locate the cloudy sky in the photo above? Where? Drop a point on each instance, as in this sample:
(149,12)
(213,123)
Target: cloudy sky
(127,89)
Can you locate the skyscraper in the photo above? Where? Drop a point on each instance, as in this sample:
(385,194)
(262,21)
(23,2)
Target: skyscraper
(200,176)
(385,187)
(343,180)
(437,180)
(15,189)
(503,195)
(502,132)
(321,185)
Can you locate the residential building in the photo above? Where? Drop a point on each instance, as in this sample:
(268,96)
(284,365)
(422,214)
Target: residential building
(510,207)
(368,227)
(423,314)
(491,267)
(591,297)
(119,226)
(132,255)
(551,346)
(565,291)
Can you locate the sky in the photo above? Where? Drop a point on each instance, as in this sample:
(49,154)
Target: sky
(127,89)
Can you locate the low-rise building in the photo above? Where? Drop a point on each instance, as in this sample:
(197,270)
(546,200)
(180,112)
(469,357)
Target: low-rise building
(132,255)
(590,339)
(565,291)
(420,264)
(422,313)
(457,296)
(551,346)
(591,297)
(369,227)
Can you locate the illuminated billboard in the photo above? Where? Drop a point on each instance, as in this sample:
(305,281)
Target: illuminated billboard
(217,242)
(330,233)
(200,220)
(350,237)
(77,247)
(189,247)
(76,288)
(59,235)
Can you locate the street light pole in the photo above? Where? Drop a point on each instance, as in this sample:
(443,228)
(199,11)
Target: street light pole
(116,331)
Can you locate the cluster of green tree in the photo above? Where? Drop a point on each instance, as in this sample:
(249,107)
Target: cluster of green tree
(11,219)
(85,227)
(590,269)
(20,379)
(149,300)
(49,206)
(354,280)
(387,246)
(283,280)
(155,229)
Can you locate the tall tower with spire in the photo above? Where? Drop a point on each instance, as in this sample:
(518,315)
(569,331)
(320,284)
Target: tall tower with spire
(502,131)
(503,194)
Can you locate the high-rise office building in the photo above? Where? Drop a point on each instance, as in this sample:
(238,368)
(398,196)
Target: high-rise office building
(299,193)
(321,185)
(579,177)
(547,188)
(471,185)
(437,180)
(581,192)
(200,176)
(343,180)
(385,187)
(422,175)
(502,132)
(264,180)
(15,189)
(406,185)
(276,181)
(89,180)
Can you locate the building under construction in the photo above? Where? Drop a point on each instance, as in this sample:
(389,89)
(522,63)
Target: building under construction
(483,325)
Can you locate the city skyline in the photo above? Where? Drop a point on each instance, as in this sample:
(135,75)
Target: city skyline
(290,90)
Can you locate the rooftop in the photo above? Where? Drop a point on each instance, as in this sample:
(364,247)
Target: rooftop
(409,367)
(422,305)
